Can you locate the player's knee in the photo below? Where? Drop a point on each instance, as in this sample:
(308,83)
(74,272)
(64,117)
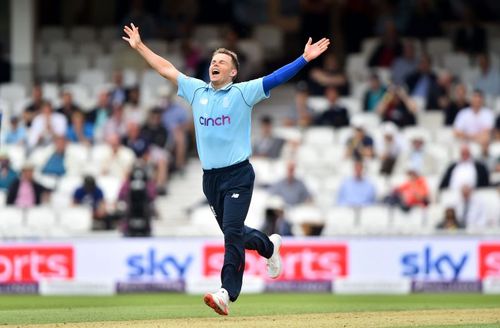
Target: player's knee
(233,234)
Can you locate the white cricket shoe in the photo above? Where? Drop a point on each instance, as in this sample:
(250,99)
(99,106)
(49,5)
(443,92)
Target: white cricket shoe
(274,262)
(218,301)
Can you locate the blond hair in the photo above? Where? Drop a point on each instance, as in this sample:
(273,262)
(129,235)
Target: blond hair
(232,54)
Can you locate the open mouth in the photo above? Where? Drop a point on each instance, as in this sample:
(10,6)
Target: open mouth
(215,71)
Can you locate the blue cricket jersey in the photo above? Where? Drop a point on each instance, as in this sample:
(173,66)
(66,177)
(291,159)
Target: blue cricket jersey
(222,118)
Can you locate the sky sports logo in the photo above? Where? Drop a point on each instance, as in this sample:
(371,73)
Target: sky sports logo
(33,263)
(301,261)
(489,260)
(218,121)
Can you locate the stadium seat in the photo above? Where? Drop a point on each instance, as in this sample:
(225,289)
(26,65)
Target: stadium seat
(271,38)
(12,222)
(356,67)
(71,65)
(17,155)
(437,47)
(491,198)
(252,49)
(371,121)
(3,199)
(151,78)
(51,92)
(83,34)
(305,213)
(76,219)
(80,94)
(109,33)
(455,62)
(368,46)
(431,120)
(374,219)
(257,211)
(411,222)
(110,186)
(91,77)
(92,50)
(319,136)
(203,222)
(340,220)
(47,68)
(105,64)
(494,149)
(444,136)
(130,77)
(40,220)
(352,104)
(433,215)
(158,46)
(52,33)
(61,49)
(205,32)
(317,103)
(12,91)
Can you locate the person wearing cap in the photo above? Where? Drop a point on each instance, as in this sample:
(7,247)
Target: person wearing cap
(7,174)
(414,192)
(418,156)
(25,192)
(360,145)
(90,194)
(389,149)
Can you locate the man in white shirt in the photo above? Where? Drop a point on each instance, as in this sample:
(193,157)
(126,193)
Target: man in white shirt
(474,123)
(46,126)
(470,209)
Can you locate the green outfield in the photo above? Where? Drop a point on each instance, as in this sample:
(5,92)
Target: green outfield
(272,310)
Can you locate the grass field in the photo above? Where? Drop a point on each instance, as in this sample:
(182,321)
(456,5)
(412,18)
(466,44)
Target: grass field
(267,310)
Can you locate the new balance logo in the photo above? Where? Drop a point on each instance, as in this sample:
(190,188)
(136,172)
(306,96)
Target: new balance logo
(235,195)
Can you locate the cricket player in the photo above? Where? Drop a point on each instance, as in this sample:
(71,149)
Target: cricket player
(222,117)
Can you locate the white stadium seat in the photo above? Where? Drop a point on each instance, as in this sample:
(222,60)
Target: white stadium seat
(76,219)
(374,219)
(12,221)
(72,65)
(91,77)
(52,33)
(340,220)
(40,220)
(82,34)
(12,91)
(47,68)
(203,222)
(61,48)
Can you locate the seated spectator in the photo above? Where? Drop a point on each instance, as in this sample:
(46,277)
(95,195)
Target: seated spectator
(336,116)
(34,105)
(418,156)
(356,191)
(55,165)
(79,130)
(68,107)
(291,189)
(138,193)
(466,171)
(46,126)
(330,74)
(474,123)
(117,159)
(389,149)
(422,83)
(451,107)
(360,145)
(412,193)
(91,195)
(397,107)
(470,37)
(301,114)
(389,48)
(487,158)
(275,220)
(25,192)
(98,116)
(17,133)
(374,94)
(497,129)
(488,81)
(134,140)
(404,65)
(7,174)
(470,209)
(176,120)
(132,111)
(118,94)
(450,221)
(154,131)
(445,84)
(267,145)
(115,125)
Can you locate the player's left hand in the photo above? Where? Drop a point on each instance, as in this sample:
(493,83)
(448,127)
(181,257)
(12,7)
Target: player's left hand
(311,51)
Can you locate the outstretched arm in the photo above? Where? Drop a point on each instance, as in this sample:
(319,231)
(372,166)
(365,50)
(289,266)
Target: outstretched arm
(280,76)
(161,65)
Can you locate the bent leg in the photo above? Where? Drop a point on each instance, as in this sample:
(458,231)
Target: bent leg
(258,241)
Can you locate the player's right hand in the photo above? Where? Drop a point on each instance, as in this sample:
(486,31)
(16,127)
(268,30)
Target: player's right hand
(134,39)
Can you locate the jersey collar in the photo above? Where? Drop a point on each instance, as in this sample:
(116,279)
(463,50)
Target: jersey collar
(225,87)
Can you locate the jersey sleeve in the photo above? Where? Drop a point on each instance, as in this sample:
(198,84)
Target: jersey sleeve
(252,91)
(187,87)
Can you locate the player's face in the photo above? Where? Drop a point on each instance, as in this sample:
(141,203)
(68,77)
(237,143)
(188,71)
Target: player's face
(221,69)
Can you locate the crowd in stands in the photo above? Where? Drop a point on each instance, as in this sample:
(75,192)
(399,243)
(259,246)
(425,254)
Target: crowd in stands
(374,110)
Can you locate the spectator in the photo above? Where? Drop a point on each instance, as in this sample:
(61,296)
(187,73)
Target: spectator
(374,94)
(422,83)
(489,77)
(118,94)
(132,111)
(56,163)
(17,133)
(497,129)
(450,221)
(99,115)
(68,107)
(275,220)
(5,67)
(336,115)
(356,191)
(330,74)
(389,149)
(291,189)
(445,83)
(488,159)
(389,48)
(404,65)
(470,37)
(301,114)
(25,191)
(154,131)
(418,156)
(91,195)
(134,140)
(117,159)
(452,107)
(360,145)
(474,123)
(470,209)
(267,145)
(34,106)
(115,125)
(79,130)
(466,171)
(397,107)
(7,174)
(176,120)
(46,126)
(412,193)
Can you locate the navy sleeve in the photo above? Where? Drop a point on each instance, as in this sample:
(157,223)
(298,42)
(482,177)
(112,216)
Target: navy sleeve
(283,74)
